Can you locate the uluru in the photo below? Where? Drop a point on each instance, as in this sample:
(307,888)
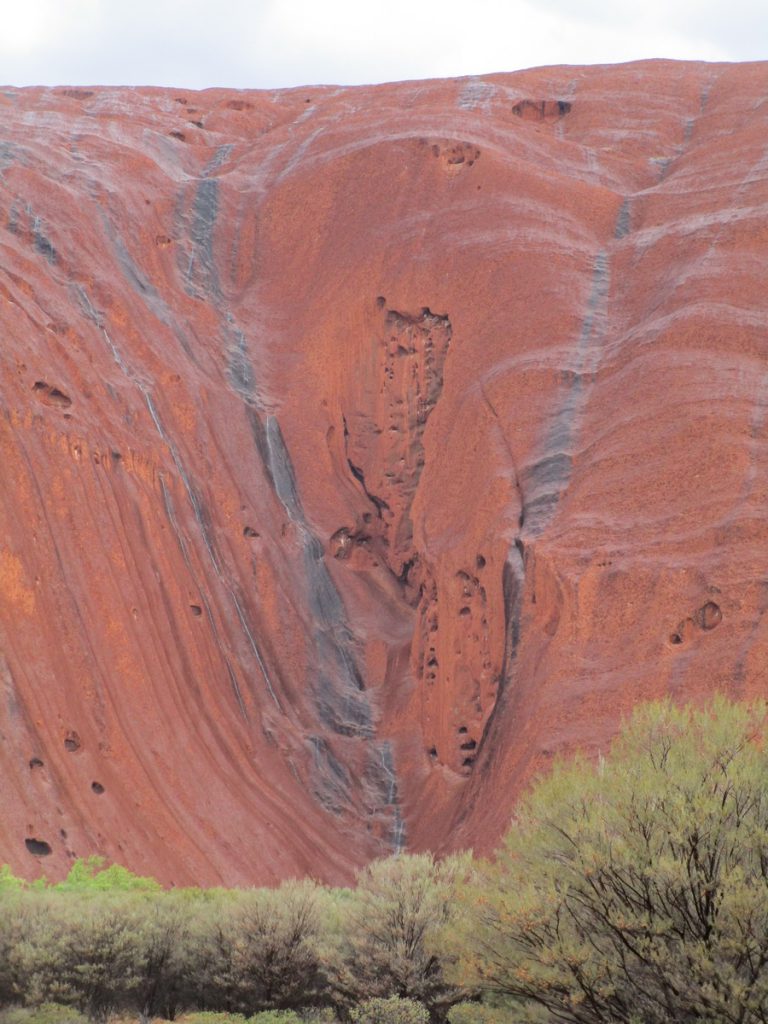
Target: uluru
(364,449)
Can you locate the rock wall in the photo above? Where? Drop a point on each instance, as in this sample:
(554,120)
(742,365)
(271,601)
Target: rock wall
(363,449)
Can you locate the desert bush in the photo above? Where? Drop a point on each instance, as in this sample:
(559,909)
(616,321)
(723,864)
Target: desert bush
(479,1013)
(392,1010)
(90,875)
(162,954)
(636,890)
(46,1013)
(212,1017)
(389,932)
(261,951)
(92,958)
(275,1017)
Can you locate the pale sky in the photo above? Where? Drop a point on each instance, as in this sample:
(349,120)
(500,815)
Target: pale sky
(277,43)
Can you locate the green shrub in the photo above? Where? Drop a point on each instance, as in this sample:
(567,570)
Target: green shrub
(389,932)
(477,1013)
(393,1010)
(260,949)
(318,1015)
(636,889)
(46,1013)
(89,875)
(275,1017)
(9,881)
(212,1017)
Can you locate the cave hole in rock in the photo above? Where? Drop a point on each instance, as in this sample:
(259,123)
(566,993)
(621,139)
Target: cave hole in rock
(462,730)
(178,135)
(38,847)
(97,788)
(709,616)
(63,833)
(51,395)
(432,663)
(675,638)
(469,745)
(248,531)
(72,742)
(35,762)
(432,751)
(464,610)
(196,610)
(541,110)
(480,562)
(116,456)
(467,762)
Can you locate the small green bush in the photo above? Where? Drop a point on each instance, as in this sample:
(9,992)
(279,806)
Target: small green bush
(393,1010)
(476,1013)
(46,1013)
(275,1017)
(212,1017)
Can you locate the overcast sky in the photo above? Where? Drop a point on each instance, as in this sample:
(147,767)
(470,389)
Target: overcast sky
(269,43)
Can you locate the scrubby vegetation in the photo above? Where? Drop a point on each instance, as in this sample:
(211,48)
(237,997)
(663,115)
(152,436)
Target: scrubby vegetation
(104,942)
(634,890)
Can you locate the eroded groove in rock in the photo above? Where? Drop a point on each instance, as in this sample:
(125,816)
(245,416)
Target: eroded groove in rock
(336,680)
(383,442)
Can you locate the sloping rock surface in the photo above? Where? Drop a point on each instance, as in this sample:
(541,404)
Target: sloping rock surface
(362,449)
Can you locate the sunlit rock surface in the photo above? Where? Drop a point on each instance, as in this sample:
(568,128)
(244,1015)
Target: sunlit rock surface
(362,449)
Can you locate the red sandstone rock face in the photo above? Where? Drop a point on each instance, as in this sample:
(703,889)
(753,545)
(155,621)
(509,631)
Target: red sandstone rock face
(364,448)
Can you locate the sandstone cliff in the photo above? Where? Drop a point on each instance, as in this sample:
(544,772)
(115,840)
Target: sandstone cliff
(364,448)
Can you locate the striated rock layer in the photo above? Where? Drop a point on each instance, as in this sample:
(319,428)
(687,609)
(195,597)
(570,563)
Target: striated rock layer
(364,448)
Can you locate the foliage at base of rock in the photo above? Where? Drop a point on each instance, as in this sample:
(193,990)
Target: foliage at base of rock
(393,1010)
(478,1013)
(276,1017)
(46,1013)
(388,939)
(636,890)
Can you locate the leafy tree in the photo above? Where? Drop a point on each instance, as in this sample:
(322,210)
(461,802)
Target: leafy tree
(33,929)
(261,950)
(91,959)
(159,926)
(89,875)
(636,891)
(389,929)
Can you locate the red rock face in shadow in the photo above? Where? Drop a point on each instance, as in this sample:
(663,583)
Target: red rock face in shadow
(363,449)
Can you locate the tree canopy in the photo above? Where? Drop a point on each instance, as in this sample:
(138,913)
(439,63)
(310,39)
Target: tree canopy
(635,891)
